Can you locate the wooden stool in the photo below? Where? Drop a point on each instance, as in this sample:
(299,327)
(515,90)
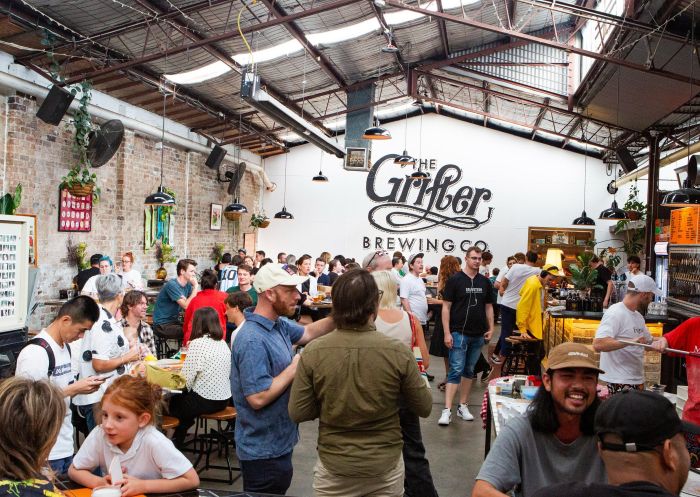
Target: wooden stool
(169,423)
(223,438)
(524,357)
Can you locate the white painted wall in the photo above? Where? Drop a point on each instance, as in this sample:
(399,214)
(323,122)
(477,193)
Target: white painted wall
(532,185)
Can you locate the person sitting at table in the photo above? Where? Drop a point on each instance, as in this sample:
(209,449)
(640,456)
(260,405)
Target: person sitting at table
(291,265)
(132,278)
(399,324)
(90,287)
(206,370)
(104,349)
(335,269)
(136,329)
(84,275)
(208,296)
(236,303)
(308,290)
(32,413)
(150,462)
(318,273)
(642,443)
(173,298)
(245,283)
(554,442)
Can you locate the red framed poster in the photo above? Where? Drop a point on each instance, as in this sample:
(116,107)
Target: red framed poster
(74,213)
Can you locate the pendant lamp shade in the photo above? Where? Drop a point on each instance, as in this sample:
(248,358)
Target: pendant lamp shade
(688,195)
(284,214)
(320,178)
(160,198)
(405,159)
(376,133)
(583,220)
(420,175)
(614,213)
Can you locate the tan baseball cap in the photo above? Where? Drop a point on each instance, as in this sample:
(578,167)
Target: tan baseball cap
(572,355)
(272,275)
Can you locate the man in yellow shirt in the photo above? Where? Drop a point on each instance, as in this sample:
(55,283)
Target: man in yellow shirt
(528,314)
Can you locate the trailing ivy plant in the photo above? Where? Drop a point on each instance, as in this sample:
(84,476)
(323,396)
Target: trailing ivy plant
(166,210)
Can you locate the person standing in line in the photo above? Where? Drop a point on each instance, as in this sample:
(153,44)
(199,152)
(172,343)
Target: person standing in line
(412,289)
(623,363)
(48,357)
(603,281)
(467,318)
(263,365)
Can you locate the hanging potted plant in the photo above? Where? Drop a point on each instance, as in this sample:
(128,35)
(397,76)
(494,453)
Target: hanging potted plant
(634,209)
(79,181)
(259,220)
(164,255)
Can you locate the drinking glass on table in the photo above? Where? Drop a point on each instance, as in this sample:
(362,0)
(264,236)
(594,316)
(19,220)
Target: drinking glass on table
(183,353)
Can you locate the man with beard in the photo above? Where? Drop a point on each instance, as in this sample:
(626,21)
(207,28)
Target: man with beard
(554,443)
(263,365)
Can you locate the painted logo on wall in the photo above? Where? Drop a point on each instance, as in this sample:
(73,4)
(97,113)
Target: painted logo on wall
(407,206)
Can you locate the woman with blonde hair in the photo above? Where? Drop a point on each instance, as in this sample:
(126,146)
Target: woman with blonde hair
(396,323)
(449,265)
(32,413)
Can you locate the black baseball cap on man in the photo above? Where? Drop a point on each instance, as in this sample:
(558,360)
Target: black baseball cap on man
(643,420)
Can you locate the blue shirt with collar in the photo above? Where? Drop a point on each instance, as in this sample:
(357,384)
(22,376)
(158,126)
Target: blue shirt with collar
(263,349)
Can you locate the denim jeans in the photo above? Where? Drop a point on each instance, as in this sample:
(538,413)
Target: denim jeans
(60,466)
(507,327)
(268,476)
(464,353)
(89,415)
(418,481)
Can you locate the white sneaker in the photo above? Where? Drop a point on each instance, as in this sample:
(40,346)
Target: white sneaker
(445,417)
(463,412)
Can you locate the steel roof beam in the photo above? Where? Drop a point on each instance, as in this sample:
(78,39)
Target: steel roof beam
(548,43)
(540,116)
(443,31)
(299,35)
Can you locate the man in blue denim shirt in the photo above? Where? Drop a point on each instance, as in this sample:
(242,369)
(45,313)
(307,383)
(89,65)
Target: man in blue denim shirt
(263,366)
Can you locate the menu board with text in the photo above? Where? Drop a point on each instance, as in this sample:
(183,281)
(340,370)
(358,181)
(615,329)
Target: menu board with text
(685,226)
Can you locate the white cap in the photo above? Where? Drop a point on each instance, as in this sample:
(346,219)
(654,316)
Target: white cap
(642,283)
(272,275)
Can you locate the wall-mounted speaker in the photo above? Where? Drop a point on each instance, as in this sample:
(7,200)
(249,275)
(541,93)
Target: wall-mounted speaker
(626,160)
(55,105)
(216,156)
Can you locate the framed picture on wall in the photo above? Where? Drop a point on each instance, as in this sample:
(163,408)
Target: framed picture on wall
(215,215)
(74,213)
(356,159)
(33,245)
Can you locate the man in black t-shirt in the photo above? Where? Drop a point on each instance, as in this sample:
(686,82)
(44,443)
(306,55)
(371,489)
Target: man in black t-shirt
(604,281)
(467,318)
(642,443)
(88,273)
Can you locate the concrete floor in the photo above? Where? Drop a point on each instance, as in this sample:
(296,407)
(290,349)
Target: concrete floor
(455,452)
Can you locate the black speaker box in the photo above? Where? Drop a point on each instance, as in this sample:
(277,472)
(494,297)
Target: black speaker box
(215,157)
(55,105)
(626,161)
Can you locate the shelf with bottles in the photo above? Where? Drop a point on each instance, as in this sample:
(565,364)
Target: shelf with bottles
(684,276)
(571,241)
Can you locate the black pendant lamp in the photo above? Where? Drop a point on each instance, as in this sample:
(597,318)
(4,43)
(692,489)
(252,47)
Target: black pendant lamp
(320,177)
(235,208)
(284,213)
(404,159)
(688,195)
(376,133)
(613,213)
(161,197)
(583,219)
(420,175)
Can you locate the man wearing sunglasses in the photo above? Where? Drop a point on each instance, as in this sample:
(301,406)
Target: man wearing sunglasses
(377,261)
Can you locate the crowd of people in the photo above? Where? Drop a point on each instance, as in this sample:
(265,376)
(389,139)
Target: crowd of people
(253,338)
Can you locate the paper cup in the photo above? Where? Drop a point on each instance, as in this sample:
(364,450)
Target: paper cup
(106,491)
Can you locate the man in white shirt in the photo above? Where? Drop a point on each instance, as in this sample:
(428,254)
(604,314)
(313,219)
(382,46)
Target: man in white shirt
(509,288)
(412,289)
(48,356)
(623,363)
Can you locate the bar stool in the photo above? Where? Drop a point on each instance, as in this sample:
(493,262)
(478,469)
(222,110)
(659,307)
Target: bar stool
(169,423)
(223,437)
(524,357)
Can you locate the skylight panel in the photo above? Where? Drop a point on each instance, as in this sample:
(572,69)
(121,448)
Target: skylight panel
(345,33)
(275,52)
(204,73)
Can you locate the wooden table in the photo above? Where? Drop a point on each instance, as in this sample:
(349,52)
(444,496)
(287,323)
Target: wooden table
(199,492)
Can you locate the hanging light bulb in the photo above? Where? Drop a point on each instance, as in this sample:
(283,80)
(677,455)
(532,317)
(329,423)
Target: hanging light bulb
(583,219)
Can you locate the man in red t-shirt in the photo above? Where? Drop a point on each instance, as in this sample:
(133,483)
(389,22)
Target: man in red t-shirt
(687,337)
(208,296)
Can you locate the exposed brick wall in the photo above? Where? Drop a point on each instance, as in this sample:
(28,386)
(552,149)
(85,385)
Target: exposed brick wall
(38,155)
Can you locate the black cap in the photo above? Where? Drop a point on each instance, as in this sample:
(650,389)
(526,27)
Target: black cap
(643,420)
(95,259)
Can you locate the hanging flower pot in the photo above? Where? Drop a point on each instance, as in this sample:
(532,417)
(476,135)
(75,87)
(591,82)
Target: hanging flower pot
(265,223)
(633,215)
(79,190)
(232,216)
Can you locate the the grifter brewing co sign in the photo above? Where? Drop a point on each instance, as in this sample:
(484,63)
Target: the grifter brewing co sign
(407,206)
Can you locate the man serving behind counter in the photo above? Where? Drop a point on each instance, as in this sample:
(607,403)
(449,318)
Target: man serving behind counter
(554,442)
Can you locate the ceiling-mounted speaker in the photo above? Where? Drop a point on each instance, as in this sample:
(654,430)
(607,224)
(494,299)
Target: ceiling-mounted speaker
(55,105)
(236,178)
(626,160)
(216,156)
(104,142)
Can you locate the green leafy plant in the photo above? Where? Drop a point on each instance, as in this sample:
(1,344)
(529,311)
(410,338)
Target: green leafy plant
(167,210)
(217,252)
(633,207)
(611,258)
(259,220)
(77,254)
(164,253)
(583,276)
(9,203)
